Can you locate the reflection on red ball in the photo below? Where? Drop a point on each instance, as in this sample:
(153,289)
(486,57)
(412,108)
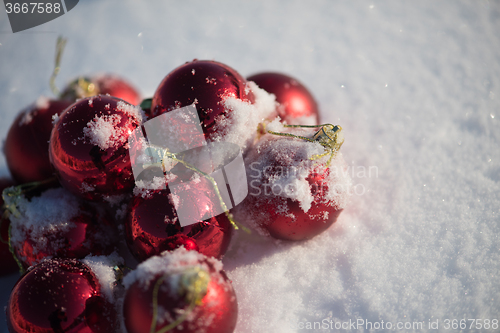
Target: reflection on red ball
(297,104)
(27,143)
(152,224)
(206,84)
(89,147)
(7,263)
(215,310)
(59,296)
(101,84)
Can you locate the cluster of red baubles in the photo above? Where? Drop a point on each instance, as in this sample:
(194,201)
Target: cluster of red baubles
(82,139)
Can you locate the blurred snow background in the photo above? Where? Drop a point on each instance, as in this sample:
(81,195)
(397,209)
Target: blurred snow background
(416,87)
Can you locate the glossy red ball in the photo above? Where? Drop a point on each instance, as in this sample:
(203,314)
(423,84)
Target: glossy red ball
(7,263)
(297,104)
(206,84)
(101,84)
(27,144)
(152,224)
(215,311)
(58,225)
(59,296)
(89,147)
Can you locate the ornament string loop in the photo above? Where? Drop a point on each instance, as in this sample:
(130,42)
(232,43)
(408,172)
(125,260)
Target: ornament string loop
(329,136)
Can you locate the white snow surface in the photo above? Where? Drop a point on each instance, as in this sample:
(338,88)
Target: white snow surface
(416,88)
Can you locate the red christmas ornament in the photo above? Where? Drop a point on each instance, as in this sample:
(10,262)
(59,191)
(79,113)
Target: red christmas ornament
(27,143)
(59,296)
(58,224)
(7,263)
(297,224)
(102,84)
(297,104)
(152,225)
(183,290)
(206,84)
(89,147)
(294,193)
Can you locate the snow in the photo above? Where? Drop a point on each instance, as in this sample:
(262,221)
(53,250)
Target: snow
(133,111)
(42,102)
(102,131)
(244,117)
(173,264)
(416,88)
(42,216)
(103,268)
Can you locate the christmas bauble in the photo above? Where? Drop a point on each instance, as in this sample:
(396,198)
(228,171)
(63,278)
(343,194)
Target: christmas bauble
(27,144)
(296,103)
(89,147)
(101,84)
(59,296)
(293,194)
(183,290)
(207,84)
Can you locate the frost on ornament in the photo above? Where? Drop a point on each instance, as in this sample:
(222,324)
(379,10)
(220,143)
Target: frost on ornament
(239,125)
(294,193)
(57,224)
(182,291)
(103,131)
(104,269)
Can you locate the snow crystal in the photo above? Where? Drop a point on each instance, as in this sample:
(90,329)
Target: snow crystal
(87,188)
(103,268)
(276,125)
(240,125)
(55,119)
(115,200)
(52,211)
(131,110)
(144,187)
(304,120)
(174,200)
(27,117)
(103,131)
(42,103)
(121,212)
